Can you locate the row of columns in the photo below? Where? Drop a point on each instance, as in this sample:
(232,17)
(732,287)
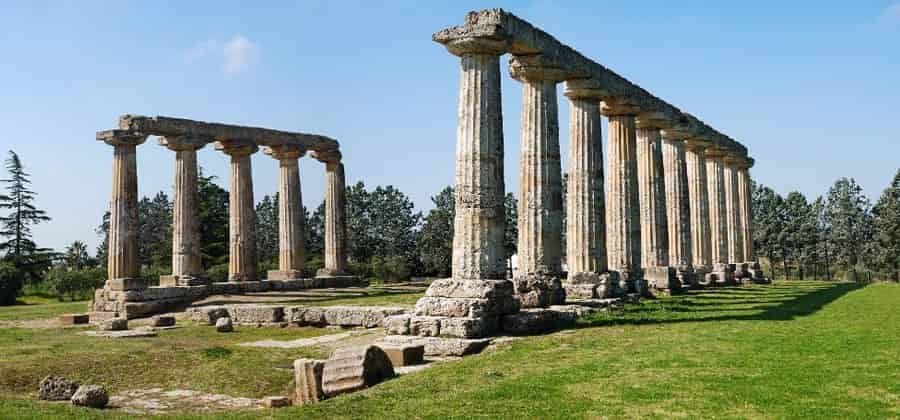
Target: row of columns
(673,201)
(123,264)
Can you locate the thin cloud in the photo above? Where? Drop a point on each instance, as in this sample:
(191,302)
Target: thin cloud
(891,13)
(237,55)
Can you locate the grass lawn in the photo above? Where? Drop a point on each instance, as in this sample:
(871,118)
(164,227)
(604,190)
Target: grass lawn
(790,350)
(34,307)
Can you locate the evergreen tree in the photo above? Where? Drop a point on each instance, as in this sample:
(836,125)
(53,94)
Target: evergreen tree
(768,224)
(887,223)
(76,256)
(155,236)
(315,231)
(267,229)
(511,234)
(824,247)
(17,243)
(848,212)
(435,240)
(213,222)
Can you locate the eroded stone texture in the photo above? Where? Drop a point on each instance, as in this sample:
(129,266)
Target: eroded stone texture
(715,171)
(695,153)
(122,265)
(651,187)
(585,202)
(186,259)
(93,396)
(308,381)
(335,218)
(678,208)
(732,218)
(623,225)
(404,354)
(242,258)
(745,195)
(351,369)
(56,388)
(291,222)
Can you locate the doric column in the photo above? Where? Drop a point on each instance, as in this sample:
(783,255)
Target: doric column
(623,225)
(123,268)
(335,219)
(732,212)
(187,268)
(715,172)
(291,224)
(745,194)
(695,154)
(586,258)
(242,258)
(678,205)
(652,191)
(540,185)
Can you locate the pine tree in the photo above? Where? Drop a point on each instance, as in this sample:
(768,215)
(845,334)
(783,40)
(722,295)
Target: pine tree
(435,240)
(18,245)
(887,223)
(768,224)
(848,212)
(213,221)
(267,229)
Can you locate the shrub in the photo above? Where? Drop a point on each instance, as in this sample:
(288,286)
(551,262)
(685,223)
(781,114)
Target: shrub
(75,284)
(393,268)
(218,273)
(11,281)
(313,264)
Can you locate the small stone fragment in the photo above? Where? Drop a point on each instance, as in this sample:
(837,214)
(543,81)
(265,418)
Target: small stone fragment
(224,325)
(162,321)
(354,368)
(404,354)
(94,396)
(308,381)
(276,402)
(114,324)
(56,388)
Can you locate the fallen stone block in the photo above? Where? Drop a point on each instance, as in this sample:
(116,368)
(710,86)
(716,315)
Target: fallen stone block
(114,324)
(94,396)
(441,346)
(536,321)
(397,324)
(404,354)
(74,319)
(308,381)
(256,314)
(351,369)
(276,402)
(162,321)
(224,325)
(208,314)
(56,388)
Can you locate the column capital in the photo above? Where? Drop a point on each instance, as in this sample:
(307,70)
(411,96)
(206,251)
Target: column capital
(121,137)
(487,39)
(654,119)
(697,143)
(619,105)
(585,89)
(183,143)
(285,151)
(715,153)
(237,147)
(538,67)
(327,156)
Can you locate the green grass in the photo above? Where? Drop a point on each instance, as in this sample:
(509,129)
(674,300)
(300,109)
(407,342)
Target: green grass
(34,307)
(790,350)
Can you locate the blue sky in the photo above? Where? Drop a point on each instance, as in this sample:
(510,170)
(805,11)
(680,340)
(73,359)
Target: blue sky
(812,88)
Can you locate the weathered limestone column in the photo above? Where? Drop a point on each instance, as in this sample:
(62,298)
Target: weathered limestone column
(715,172)
(588,276)
(335,219)
(472,303)
(187,268)
(745,194)
(654,218)
(678,205)
(623,225)
(732,217)
(242,258)
(539,248)
(291,224)
(695,154)
(123,268)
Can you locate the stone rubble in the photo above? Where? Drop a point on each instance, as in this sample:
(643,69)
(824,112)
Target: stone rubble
(56,388)
(93,396)
(351,369)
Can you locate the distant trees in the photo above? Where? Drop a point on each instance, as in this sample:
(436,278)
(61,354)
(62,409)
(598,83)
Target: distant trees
(435,240)
(887,226)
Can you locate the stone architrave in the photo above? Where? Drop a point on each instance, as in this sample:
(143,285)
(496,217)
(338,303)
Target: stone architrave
(623,224)
(654,217)
(187,269)
(678,206)
(335,219)
(291,223)
(537,281)
(588,274)
(123,269)
(242,257)
(695,154)
(715,172)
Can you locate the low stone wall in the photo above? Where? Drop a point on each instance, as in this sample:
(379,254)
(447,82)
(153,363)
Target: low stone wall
(280,315)
(139,303)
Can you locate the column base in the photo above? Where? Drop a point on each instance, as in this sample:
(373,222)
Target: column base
(662,280)
(592,285)
(128,283)
(284,275)
(755,273)
(687,276)
(539,290)
(460,308)
(632,281)
(172,280)
(721,275)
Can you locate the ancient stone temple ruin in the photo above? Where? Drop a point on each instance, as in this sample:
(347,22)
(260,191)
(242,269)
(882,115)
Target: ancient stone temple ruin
(675,213)
(126,294)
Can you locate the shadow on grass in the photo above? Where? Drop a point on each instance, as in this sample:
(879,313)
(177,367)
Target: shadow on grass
(771,304)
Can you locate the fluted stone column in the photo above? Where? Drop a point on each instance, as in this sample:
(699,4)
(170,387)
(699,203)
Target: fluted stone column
(187,268)
(291,223)
(678,206)
(745,195)
(539,247)
(335,219)
(472,302)
(654,218)
(695,154)
(242,258)
(123,268)
(623,224)
(732,217)
(588,276)
(715,172)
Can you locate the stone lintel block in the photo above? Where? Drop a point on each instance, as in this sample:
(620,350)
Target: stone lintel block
(123,284)
(537,321)
(284,275)
(404,354)
(308,381)
(255,314)
(538,290)
(74,319)
(441,346)
(472,289)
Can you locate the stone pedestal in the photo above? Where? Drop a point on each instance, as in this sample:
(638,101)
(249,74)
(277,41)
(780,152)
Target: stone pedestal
(123,269)
(242,259)
(291,223)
